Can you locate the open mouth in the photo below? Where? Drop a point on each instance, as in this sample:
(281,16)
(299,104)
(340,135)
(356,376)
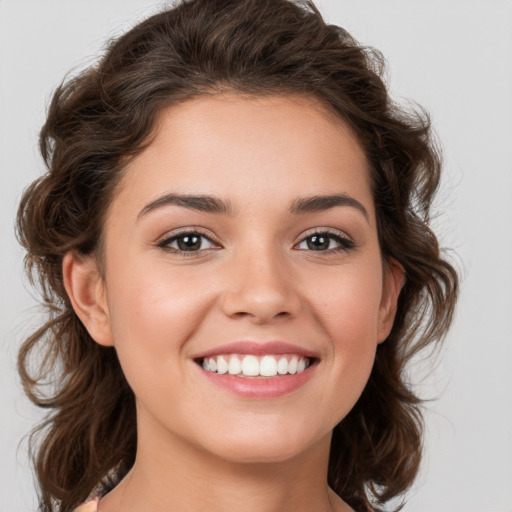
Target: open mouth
(247,366)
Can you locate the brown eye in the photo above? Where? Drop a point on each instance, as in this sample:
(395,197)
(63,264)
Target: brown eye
(325,241)
(187,242)
(318,242)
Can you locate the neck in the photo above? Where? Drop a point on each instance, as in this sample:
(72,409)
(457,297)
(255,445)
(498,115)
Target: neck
(171,475)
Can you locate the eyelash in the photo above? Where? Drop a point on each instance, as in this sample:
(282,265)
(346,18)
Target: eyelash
(345,243)
(165,244)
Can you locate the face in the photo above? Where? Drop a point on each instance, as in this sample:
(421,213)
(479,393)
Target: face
(244,289)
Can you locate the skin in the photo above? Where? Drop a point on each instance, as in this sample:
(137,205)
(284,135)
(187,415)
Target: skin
(201,447)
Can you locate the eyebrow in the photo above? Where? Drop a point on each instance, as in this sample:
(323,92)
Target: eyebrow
(321,203)
(211,204)
(202,203)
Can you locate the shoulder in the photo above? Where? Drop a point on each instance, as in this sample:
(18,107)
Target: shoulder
(89,506)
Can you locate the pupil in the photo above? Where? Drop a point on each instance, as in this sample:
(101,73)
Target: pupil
(189,243)
(318,242)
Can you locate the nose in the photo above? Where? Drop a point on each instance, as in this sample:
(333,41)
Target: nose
(260,286)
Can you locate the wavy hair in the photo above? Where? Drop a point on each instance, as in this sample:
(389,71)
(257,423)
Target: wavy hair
(100,118)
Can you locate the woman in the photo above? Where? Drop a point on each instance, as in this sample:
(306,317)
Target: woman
(232,239)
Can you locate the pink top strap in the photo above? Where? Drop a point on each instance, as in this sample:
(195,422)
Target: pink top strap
(89,506)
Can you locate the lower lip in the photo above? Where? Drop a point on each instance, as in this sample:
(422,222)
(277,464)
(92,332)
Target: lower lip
(268,387)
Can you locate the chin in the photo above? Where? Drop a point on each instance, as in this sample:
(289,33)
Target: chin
(267,447)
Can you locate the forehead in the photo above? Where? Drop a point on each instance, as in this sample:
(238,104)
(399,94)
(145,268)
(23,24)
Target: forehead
(244,148)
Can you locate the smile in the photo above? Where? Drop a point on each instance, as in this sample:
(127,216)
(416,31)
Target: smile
(257,370)
(268,365)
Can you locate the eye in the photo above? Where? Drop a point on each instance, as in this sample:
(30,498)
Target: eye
(326,241)
(189,241)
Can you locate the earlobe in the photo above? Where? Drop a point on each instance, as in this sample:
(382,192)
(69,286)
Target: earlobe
(393,282)
(86,290)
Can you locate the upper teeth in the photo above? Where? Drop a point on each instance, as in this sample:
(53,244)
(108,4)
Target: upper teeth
(253,366)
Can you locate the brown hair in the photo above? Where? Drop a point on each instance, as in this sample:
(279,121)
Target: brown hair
(103,116)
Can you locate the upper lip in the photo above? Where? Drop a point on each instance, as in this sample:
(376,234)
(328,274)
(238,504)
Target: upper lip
(257,348)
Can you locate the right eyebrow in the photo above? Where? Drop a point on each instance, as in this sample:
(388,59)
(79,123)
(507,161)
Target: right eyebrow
(202,203)
(321,203)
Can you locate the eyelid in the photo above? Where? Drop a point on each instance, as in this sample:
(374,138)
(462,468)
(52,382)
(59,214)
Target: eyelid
(170,236)
(347,242)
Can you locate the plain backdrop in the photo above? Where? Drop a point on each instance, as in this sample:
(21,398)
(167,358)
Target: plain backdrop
(452,56)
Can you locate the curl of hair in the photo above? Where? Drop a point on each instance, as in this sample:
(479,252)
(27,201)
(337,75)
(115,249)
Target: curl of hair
(99,119)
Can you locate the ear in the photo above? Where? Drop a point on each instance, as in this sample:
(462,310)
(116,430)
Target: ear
(393,281)
(87,293)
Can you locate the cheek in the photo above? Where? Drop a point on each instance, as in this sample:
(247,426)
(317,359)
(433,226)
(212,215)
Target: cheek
(155,300)
(153,314)
(348,311)
(348,299)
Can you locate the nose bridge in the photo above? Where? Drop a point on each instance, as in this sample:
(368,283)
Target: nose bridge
(260,284)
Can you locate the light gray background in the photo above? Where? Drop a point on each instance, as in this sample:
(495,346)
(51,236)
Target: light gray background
(452,56)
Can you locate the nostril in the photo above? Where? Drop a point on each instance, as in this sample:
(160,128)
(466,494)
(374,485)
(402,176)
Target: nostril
(260,301)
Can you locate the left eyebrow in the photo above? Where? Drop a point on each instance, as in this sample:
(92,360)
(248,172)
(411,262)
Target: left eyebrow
(321,203)
(202,203)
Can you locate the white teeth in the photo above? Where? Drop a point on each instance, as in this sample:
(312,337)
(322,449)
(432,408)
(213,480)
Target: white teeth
(222,365)
(254,366)
(292,365)
(250,366)
(268,366)
(234,367)
(282,366)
